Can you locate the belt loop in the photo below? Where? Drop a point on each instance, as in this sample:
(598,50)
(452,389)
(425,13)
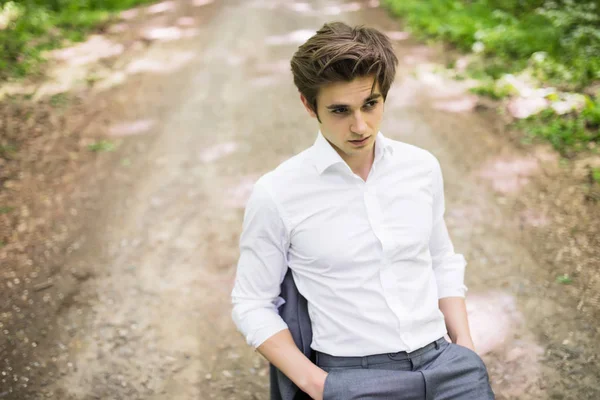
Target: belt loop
(364,362)
(437,345)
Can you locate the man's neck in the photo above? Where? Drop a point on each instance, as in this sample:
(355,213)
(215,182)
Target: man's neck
(361,165)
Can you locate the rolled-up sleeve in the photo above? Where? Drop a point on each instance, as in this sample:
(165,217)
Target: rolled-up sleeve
(261,268)
(448,266)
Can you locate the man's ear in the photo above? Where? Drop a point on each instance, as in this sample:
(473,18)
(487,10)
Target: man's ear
(307,106)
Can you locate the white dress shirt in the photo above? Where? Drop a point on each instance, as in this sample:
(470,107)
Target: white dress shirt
(371,257)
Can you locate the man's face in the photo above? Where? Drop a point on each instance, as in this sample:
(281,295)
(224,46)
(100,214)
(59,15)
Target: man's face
(350,115)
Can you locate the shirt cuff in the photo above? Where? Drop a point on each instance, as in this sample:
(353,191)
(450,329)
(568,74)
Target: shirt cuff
(261,335)
(452,291)
(450,277)
(257,323)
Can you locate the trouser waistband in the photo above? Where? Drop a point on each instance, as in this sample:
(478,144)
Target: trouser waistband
(326,360)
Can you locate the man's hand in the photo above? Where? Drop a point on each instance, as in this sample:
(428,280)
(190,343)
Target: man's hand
(282,352)
(316,386)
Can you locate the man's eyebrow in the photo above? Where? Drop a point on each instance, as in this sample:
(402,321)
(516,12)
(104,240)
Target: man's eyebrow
(370,98)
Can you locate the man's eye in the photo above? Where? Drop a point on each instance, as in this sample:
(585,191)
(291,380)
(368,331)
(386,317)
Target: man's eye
(339,110)
(371,104)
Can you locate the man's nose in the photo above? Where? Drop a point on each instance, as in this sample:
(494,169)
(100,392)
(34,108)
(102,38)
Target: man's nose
(359,126)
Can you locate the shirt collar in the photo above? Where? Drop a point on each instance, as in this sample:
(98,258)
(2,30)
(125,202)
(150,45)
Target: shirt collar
(325,155)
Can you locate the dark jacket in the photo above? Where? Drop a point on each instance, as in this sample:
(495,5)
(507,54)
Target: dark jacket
(295,314)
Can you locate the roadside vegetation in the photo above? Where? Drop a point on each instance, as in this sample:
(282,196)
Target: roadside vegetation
(28,28)
(544,51)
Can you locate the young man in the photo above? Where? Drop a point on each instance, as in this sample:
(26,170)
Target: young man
(358,218)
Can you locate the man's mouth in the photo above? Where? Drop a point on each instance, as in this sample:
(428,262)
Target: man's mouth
(360,141)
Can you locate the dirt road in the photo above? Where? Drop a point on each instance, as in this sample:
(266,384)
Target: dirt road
(208,108)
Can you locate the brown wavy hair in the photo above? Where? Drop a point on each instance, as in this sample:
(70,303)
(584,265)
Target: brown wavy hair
(340,53)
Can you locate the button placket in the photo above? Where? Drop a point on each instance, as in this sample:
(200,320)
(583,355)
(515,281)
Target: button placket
(373,211)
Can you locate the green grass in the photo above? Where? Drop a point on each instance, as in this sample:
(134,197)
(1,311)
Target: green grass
(557,42)
(7,149)
(568,133)
(102,145)
(59,100)
(6,210)
(560,39)
(596,174)
(492,90)
(564,279)
(29,27)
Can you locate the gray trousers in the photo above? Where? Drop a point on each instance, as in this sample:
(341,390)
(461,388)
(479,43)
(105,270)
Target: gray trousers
(438,371)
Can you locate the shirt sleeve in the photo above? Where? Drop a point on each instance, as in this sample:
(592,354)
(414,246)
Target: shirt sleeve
(261,268)
(448,266)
